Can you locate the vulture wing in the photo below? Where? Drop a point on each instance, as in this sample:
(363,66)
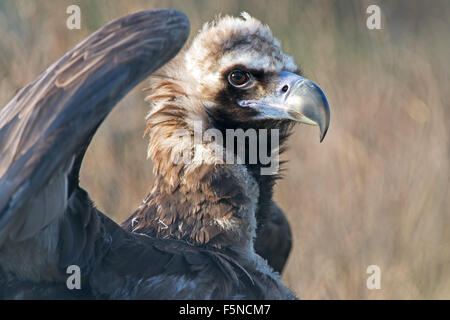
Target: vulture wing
(47,126)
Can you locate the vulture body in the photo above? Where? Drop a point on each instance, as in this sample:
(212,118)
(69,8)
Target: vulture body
(193,236)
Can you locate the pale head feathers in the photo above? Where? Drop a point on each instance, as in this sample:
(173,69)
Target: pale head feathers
(221,44)
(229,41)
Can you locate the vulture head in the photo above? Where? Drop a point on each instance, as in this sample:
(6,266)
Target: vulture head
(244,78)
(233,75)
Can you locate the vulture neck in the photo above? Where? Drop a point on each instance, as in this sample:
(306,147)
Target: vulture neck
(204,201)
(259,172)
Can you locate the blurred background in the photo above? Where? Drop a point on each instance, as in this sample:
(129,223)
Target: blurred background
(375,192)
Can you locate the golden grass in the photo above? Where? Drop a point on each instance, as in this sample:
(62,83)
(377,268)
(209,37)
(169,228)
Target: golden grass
(375,192)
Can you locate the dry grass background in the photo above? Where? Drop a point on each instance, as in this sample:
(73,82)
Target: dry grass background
(375,192)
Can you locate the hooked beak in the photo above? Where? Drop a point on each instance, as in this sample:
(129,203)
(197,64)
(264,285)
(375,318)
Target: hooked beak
(295,98)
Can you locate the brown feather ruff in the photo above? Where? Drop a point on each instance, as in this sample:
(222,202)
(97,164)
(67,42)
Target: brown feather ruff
(192,202)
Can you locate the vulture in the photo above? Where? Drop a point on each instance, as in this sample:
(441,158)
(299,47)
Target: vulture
(193,237)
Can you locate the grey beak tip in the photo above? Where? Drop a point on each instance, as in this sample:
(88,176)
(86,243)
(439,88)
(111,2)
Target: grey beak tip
(322,136)
(324,132)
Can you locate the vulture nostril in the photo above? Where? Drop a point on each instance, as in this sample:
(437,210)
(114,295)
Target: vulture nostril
(285,88)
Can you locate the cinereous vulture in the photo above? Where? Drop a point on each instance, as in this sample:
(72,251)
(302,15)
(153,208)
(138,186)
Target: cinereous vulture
(193,237)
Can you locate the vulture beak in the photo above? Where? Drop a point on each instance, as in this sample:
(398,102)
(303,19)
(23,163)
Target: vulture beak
(295,98)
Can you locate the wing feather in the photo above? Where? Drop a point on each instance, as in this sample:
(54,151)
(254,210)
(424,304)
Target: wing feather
(51,120)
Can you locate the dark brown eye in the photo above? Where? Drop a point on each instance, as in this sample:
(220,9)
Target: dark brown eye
(238,78)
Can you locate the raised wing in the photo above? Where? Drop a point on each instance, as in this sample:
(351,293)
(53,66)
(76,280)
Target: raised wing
(46,127)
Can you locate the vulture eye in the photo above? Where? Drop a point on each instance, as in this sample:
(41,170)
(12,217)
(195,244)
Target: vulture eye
(239,78)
